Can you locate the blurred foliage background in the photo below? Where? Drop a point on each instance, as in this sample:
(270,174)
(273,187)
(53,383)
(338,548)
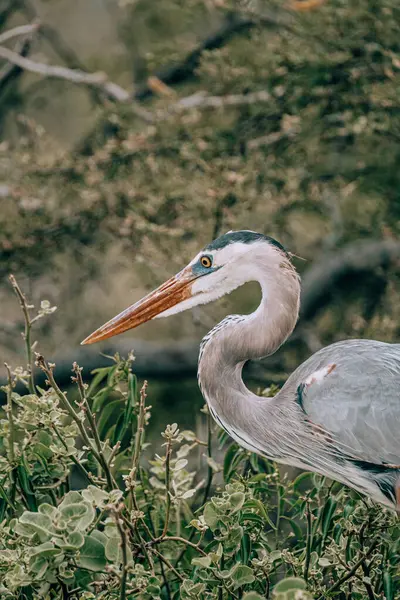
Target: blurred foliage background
(213,115)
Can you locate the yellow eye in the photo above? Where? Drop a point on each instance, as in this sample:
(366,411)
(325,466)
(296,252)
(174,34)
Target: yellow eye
(206,261)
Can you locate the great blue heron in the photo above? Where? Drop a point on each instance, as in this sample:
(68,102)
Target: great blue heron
(338,414)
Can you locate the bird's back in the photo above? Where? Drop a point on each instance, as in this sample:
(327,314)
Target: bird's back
(351,389)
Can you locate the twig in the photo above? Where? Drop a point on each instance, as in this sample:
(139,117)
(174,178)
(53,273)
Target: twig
(124,552)
(352,571)
(309,540)
(210,472)
(140,429)
(168,564)
(74,460)
(13,472)
(85,404)
(168,452)
(201,101)
(364,565)
(10,71)
(17,31)
(183,70)
(98,80)
(66,405)
(175,538)
(10,415)
(234,23)
(27,333)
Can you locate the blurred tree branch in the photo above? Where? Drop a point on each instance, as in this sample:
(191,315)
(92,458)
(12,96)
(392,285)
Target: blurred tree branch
(10,71)
(232,24)
(98,80)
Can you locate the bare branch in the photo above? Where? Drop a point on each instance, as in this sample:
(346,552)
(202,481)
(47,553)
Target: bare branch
(98,80)
(183,70)
(17,31)
(200,100)
(326,274)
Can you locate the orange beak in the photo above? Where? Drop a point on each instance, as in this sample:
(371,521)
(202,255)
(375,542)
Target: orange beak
(170,293)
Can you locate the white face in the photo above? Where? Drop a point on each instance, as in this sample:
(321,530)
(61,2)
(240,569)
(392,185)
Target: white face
(231,266)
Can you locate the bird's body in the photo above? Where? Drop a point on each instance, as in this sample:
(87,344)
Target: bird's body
(338,414)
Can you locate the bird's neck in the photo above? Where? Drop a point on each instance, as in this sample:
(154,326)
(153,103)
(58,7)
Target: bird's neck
(240,338)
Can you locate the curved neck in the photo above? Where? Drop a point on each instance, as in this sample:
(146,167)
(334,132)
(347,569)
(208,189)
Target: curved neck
(240,338)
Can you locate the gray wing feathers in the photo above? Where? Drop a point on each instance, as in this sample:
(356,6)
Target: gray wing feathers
(358,402)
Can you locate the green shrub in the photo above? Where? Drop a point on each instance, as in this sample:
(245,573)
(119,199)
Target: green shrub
(147,528)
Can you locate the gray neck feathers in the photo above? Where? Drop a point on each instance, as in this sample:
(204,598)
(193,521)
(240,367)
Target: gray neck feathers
(240,338)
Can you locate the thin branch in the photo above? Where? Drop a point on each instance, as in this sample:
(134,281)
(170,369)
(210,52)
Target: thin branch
(85,405)
(67,406)
(210,472)
(97,80)
(124,551)
(168,564)
(78,464)
(176,538)
(138,438)
(233,24)
(183,70)
(168,452)
(27,333)
(350,573)
(17,31)
(200,101)
(10,415)
(309,541)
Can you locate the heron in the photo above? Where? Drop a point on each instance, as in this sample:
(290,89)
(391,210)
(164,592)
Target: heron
(338,414)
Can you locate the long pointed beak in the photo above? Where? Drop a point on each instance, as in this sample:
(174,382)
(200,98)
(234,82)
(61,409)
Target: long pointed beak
(170,293)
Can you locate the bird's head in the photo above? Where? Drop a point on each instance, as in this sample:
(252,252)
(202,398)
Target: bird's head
(227,263)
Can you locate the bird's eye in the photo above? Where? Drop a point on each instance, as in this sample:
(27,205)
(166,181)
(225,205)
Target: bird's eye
(206,261)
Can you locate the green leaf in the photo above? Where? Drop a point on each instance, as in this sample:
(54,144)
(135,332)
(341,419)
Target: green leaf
(71,498)
(295,526)
(202,561)
(31,523)
(180,464)
(290,583)
(242,575)
(388,585)
(252,596)
(191,591)
(232,543)
(95,496)
(210,516)
(46,549)
(233,456)
(72,541)
(259,506)
(109,416)
(245,548)
(92,554)
(126,418)
(24,478)
(99,375)
(99,535)
(79,515)
(300,479)
(327,516)
(236,501)
(48,510)
(39,567)
(5,496)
